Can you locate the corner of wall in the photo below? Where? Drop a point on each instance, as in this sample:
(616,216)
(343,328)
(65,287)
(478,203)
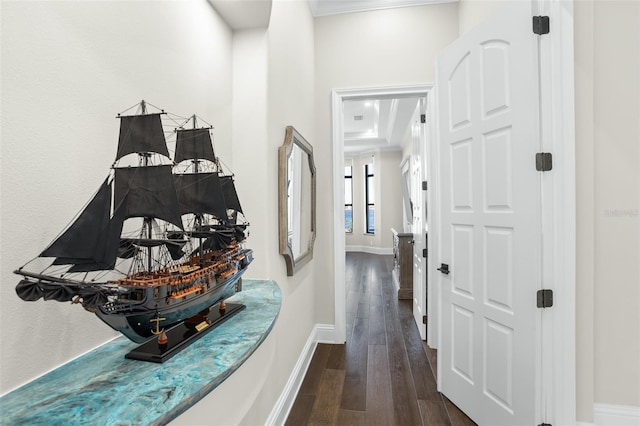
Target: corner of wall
(321,333)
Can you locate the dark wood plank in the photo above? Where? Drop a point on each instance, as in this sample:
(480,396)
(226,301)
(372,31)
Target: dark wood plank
(316,368)
(377,335)
(355,383)
(363,306)
(338,357)
(327,402)
(404,394)
(351,306)
(301,411)
(405,308)
(423,378)
(375,289)
(379,403)
(432,357)
(458,418)
(350,322)
(433,413)
(350,418)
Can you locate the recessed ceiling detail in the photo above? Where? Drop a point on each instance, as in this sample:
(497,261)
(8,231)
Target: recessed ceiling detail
(247,14)
(377,124)
(244,14)
(335,7)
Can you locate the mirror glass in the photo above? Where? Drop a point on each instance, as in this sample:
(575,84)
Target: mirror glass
(297,200)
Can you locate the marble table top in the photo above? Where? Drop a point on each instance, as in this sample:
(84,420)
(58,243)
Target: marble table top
(103,388)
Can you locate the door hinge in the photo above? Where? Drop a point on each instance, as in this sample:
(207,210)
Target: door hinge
(424,253)
(544,161)
(541,25)
(423,118)
(545,298)
(424,319)
(424,185)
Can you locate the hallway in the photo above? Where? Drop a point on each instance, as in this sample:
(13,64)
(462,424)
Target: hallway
(384,374)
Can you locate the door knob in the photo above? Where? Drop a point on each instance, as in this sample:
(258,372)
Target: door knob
(444,268)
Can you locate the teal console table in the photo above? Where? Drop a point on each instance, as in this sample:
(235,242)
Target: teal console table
(103,388)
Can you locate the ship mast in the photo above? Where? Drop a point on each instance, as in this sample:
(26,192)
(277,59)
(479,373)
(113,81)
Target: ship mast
(198,216)
(144,157)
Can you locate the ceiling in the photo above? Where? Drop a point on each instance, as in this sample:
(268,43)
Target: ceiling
(334,7)
(246,14)
(377,124)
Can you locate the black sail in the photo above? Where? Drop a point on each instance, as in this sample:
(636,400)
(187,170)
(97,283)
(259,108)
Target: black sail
(80,243)
(109,243)
(141,133)
(150,192)
(29,290)
(91,242)
(217,241)
(194,144)
(200,193)
(230,195)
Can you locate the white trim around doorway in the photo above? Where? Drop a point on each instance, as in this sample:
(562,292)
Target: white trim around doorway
(338,96)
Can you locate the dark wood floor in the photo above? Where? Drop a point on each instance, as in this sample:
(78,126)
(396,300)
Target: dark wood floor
(384,374)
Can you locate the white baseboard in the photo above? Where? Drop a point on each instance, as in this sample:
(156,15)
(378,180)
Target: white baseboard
(616,415)
(370,250)
(325,333)
(321,333)
(603,414)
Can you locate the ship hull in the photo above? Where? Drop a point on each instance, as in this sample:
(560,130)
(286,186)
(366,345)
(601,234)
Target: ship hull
(137,325)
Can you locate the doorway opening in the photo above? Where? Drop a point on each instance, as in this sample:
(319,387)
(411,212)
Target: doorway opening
(339,98)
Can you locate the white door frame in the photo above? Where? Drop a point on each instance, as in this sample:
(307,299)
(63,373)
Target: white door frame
(559,209)
(338,96)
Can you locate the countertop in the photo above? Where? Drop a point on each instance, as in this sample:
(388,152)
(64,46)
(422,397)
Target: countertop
(102,387)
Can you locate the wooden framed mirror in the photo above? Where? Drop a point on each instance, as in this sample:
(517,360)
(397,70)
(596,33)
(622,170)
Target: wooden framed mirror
(296,200)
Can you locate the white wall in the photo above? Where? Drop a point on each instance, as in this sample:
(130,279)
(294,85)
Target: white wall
(378,48)
(585,203)
(250,148)
(388,202)
(250,71)
(607,82)
(616,189)
(471,12)
(67,69)
(390,199)
(290,95)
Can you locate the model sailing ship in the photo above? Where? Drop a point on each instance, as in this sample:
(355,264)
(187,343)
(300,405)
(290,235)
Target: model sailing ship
(159,243)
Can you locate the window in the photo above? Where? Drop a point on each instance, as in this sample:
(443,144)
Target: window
(348,199)
(369,199)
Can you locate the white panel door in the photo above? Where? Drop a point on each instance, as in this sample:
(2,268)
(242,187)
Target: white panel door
(490,234)
(419,271)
